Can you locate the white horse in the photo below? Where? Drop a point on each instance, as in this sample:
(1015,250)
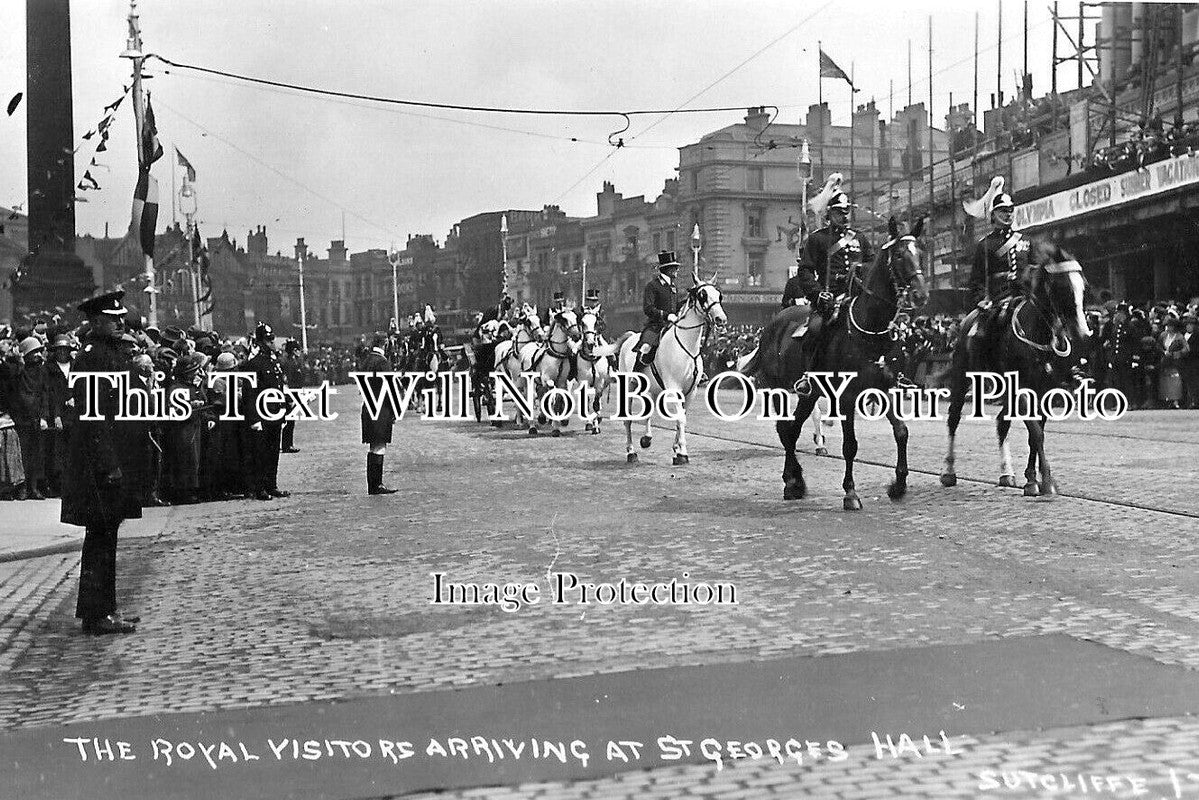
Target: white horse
(550,361)
(677,364)
(512,356)
(594,369)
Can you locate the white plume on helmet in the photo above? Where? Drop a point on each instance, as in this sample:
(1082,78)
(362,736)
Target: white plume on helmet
(819,203)
(981,208)
(430,317)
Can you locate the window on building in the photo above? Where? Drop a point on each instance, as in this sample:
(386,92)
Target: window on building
(756,268)
(695,181)
(657,242)
(755,179)
(670,240)
(753,223)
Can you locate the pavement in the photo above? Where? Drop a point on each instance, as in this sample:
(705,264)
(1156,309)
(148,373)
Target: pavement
(307,618)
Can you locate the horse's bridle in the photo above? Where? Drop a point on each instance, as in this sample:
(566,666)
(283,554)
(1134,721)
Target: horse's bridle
(706,324)
(898,285)
(1052,268)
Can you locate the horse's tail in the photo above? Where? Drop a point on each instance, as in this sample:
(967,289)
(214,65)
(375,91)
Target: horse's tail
(605,350)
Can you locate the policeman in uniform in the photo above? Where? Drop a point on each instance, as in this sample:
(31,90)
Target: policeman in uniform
(1001,261)
(376,433)
(97,494)
(832,257)
(660,304)
(265,435)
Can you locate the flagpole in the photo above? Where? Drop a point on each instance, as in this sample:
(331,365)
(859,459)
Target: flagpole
(852,143)
(133,51)
(820,102)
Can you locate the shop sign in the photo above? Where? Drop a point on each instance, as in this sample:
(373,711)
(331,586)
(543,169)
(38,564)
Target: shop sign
(1110,192)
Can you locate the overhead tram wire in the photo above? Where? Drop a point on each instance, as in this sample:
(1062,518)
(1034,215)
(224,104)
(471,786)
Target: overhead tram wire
(559,112)
(375,107)
(751,57)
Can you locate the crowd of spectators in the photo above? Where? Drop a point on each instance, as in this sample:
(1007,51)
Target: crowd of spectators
(201,458)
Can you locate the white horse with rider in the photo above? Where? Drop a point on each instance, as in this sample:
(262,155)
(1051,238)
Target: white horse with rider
(677,366)
(594,369)
(514,355)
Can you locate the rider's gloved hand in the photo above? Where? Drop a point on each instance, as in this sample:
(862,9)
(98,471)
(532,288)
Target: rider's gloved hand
(671,318)
(985,304)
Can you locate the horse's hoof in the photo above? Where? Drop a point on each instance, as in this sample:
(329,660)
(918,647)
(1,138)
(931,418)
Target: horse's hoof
(646,441)
(541,419)
(852,503)
(1007,481)
(1048,488)
(1031,490)
(631,458)
(681,459)
(588,427)
(897,489)
(532,431)
(595,431)
(555,433)
(794,491)
(499,423)
(565,422)
(949,479)
(822,451)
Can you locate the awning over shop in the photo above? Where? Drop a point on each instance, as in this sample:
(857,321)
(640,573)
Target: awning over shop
(1154,179)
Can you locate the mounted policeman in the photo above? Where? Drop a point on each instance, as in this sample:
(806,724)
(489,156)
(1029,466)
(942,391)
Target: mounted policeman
(1001,261)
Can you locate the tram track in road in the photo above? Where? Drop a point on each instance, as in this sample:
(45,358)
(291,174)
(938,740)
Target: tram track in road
(966,479)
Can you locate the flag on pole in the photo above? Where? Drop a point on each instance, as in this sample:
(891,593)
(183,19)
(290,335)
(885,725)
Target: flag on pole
(829,69)
(151,147)
(183,162)
(145,210)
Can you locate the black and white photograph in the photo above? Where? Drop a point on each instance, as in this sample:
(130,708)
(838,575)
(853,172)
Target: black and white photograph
(623,400)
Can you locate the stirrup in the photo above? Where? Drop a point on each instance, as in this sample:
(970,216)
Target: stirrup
(904,382)
(803,387)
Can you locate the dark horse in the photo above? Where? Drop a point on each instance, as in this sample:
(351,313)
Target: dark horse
(853,342)
(1041,339)
(425,355)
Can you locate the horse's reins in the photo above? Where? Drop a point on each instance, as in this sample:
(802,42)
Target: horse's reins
(1018,331)
(675,327)
(864,289)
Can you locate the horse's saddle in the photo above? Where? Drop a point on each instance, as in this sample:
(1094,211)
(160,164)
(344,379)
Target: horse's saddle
(777,338)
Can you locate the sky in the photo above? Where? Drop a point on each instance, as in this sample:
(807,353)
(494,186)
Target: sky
(300,164)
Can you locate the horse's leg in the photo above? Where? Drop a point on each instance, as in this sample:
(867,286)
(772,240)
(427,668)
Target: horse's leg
(849,451)
(680,436)
(957,399)
(1003,425)
(818,439)
(647,438)
(1035,440)
(630,456)
(1048,484)
(899,486)
(595,409)
(794,487)
(793,482)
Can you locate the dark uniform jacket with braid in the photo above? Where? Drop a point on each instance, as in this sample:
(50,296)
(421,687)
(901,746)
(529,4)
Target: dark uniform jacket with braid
(829,251)
(660,300)
(1000,264)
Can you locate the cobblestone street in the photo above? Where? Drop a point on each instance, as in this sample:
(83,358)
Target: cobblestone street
(326,595)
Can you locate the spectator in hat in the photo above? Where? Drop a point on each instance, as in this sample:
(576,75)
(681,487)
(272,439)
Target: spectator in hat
(293,373)
(58,373)
(227,457)
(96,494)
(376,432)
(1174,347)
(182,438)
(24,381)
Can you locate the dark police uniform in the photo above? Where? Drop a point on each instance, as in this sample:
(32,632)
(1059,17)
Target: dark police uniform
(832,255)
(1000,262)
(97,492)
(265,443)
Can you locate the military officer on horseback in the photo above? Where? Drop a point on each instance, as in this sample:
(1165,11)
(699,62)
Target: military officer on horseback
(1001,261)
(832,257)
(660,304)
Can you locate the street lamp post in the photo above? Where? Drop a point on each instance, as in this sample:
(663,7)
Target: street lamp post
(803,169)
(504,256)
(395,287)
(696,245)
(303,308)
